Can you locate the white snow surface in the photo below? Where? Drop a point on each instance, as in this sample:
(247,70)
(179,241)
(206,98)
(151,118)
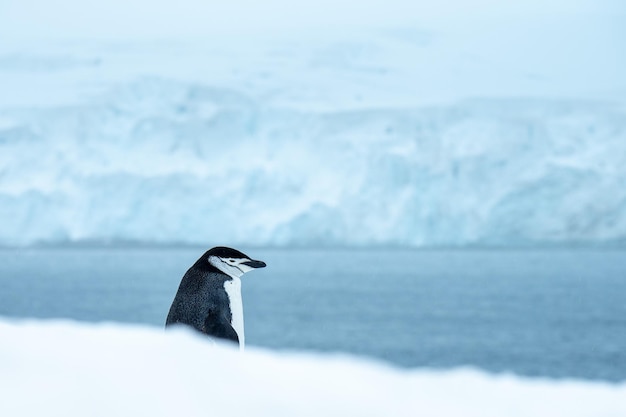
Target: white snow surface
(327,124)
(66,369)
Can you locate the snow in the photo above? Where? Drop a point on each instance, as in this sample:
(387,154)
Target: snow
(70,369)
(391,124)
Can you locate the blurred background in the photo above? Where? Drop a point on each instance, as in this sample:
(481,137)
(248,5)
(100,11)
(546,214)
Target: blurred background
(434,185)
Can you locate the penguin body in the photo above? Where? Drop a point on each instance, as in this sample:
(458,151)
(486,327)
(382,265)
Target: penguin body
(209,296)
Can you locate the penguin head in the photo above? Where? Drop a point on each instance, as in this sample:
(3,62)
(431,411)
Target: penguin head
(231,261)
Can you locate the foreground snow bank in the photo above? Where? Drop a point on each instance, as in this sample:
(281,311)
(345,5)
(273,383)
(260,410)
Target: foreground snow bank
(67,369)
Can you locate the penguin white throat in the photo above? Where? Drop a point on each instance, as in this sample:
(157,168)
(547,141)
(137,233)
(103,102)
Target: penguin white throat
(233,290)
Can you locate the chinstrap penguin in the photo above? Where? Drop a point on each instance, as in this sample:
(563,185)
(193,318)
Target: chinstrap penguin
(209,295)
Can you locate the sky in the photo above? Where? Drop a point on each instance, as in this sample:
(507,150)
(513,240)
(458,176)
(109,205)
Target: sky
(119,18)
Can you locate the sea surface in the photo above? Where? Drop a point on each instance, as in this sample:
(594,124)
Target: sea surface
(552,313)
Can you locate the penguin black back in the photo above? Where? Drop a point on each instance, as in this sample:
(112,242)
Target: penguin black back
(201,299)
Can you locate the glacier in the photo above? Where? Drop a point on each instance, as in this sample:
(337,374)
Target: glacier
(511,133)
(106,369)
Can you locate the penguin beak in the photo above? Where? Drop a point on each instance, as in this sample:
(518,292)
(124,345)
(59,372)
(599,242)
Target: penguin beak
(254,264)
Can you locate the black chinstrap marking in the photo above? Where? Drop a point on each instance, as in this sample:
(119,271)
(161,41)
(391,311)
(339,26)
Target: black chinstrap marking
(227,264)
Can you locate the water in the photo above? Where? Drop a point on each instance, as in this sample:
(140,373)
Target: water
(556,314)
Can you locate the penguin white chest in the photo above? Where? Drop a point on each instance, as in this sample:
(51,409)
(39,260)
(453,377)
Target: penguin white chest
(233,290)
